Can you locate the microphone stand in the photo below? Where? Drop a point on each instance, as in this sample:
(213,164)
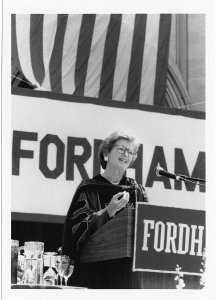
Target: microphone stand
(191,179)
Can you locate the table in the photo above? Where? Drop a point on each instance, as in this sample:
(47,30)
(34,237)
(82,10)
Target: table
(42,286)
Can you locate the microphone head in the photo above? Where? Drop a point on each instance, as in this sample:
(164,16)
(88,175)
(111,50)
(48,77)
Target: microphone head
(157,170)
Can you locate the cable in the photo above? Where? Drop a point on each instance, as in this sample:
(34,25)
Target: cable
(191,104)
(29,83)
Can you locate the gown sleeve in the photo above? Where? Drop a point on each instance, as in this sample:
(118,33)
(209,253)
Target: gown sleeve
(87,216)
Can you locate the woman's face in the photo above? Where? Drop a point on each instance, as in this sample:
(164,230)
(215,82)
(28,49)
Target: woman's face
(121,160)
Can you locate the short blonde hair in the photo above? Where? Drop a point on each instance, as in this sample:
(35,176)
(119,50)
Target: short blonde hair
(110,141)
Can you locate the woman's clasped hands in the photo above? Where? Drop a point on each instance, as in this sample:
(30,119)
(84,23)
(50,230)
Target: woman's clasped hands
(117,202)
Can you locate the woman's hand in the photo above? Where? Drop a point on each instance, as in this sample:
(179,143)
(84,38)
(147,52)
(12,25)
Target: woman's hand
(116,204)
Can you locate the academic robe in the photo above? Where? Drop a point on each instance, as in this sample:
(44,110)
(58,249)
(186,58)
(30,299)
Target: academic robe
(87,211)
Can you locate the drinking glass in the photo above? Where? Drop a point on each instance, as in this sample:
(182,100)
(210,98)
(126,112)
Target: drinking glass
(57,262)
(20,268)
(50,277)
(68,272)
(63,265)
(33,262)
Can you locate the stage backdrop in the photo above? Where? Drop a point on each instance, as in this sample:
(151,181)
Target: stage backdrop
(55,140)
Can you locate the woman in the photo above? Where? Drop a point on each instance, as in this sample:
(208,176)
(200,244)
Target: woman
(98,200)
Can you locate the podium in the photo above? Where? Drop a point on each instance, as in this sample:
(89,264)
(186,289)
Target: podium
(106,260)
(113,240)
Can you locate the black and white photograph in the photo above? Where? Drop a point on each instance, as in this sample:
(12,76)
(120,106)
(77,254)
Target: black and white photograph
(107,144)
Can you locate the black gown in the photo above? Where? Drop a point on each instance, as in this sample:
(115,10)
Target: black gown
(86,214)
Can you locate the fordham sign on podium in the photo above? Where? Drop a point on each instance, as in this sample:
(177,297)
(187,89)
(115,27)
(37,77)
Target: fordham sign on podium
(167,236)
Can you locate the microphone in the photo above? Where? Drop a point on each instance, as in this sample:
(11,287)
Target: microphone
(160,172)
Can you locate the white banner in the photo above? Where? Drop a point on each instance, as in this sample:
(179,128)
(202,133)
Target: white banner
(54,144)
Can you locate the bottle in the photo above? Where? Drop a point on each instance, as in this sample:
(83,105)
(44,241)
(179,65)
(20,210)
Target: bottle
(14,260)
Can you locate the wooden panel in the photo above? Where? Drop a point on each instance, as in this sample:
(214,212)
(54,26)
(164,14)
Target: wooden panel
(112,240)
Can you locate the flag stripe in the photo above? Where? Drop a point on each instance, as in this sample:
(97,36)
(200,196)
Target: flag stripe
(149,60)
(55,67)
(49,32)
(135,71)
(46,83)
(70,53)
(162,59)
(123,58)
(93,76)
(14,43)
(110,53)
(36,46)
(83,51)
(23,46)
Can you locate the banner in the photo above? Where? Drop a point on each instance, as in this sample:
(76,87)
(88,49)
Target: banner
(56,137)
(167,236)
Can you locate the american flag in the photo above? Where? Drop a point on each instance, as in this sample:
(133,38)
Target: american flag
(120,57)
